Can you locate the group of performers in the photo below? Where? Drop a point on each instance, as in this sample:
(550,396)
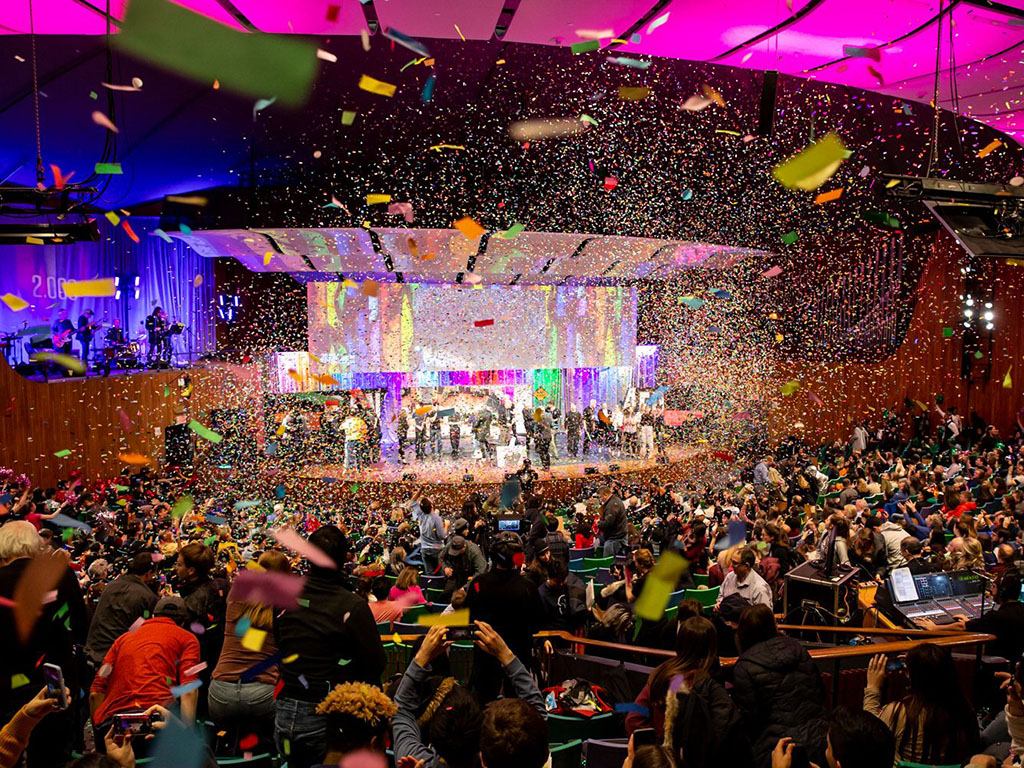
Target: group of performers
(631,432)
(117,349)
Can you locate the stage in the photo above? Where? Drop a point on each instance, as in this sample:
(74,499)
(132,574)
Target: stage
(448,482)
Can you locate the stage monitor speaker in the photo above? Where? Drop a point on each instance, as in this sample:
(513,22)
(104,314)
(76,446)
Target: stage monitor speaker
(766,116)
(468,479)
(590,470)
(409,477)
(613,467)
(178,445)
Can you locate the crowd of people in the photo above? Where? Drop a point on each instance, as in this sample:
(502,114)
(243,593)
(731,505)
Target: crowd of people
(176,615)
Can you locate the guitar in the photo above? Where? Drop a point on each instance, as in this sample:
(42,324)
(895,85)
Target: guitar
(62,338)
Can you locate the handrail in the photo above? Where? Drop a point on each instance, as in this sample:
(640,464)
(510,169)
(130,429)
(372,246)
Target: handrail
(951,639)
(839,652)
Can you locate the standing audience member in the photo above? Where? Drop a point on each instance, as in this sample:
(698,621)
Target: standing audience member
(125,600)
(334,639)
(235,696)
(613,523)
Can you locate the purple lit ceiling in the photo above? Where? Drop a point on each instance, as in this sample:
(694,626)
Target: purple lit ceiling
(980,59)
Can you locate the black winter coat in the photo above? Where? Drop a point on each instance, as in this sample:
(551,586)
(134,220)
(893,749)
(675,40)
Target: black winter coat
(779,692)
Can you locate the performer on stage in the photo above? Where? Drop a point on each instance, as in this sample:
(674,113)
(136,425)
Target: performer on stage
(62,329)
(573,427)
(115,334)
(85,334)
(590,421)
(544,435)
(159,341)
(454,435)
(482,432)
(402,425)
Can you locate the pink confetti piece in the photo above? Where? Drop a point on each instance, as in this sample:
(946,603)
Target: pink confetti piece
(101,119)
(136,624)
(191,671)
(280,590)
(289,539)
(773,272)
(401,209)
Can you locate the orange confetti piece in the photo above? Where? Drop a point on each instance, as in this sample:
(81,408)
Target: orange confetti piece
(131,232)
(827,197)
(469,228)
(135,459)
(101,119)
(989,148)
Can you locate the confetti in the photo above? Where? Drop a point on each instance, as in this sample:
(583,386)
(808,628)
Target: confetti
(367,83)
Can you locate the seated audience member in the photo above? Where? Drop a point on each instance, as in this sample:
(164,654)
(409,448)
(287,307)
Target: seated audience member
(15,734)
(1006,622)
(855,740)
(564,604)
(407,589)
(648,756)
(232,699)
(440,721)
(461,560)
(358,719)
(384,608)
(777,687)
(696,657)
(911,550)
(141,667)
(934,723)
(745,581)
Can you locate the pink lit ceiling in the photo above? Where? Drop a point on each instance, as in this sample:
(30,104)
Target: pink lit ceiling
(980,61)
(440,255)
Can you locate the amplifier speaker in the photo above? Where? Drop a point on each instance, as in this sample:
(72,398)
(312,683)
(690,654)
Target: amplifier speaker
(409,477)
(613,467)
(178,445)
(467,479)
(808,591)
(590,470)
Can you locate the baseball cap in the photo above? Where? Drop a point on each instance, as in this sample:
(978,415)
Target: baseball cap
(460,523)
(457,546)
(172,608)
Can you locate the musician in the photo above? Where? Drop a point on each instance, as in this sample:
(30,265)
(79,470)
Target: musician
(115,334)
(157,325)
(62,331)
(85,334)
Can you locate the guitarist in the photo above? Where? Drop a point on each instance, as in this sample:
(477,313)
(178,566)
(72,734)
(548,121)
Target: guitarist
(62,333)
(159,343)
(85,333)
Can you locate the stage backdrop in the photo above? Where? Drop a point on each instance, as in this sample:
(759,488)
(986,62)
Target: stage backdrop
(409,328)
(167,275)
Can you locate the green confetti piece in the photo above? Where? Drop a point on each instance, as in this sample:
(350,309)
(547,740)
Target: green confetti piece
(120,487)
(287,746)
(182,507)
(62,454)
(109,169)
(93,95)
(204,432)
(585,47)
(790,387)
(193,46)
(588,119)
(512,231)
(303,602)
(344,662)
(210,541)
(18,680)
(790,237)
(167,390)
(61,611)
(355,487)
(978,355)
(947,333)
(348,117)
(66,534)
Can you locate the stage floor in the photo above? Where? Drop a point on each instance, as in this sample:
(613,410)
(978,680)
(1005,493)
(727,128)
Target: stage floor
(445,469)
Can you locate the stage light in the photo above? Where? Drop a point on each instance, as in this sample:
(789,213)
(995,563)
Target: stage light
(988,316)
(968,313)
(970,301)
(989,326)
(988,305)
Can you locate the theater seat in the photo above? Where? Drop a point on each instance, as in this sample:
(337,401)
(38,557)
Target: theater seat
(605,753)
(564,728)
(568,755)
(265,760)
(706,597)
(598,562)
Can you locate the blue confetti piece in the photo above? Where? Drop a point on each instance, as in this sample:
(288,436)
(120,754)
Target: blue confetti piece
(178,691)
(305,683)
(428,89)
(242,626)
(216,519)
(258,669)
(633,707)
(279,491)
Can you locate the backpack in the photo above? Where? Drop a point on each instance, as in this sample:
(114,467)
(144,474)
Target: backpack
(576,697)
